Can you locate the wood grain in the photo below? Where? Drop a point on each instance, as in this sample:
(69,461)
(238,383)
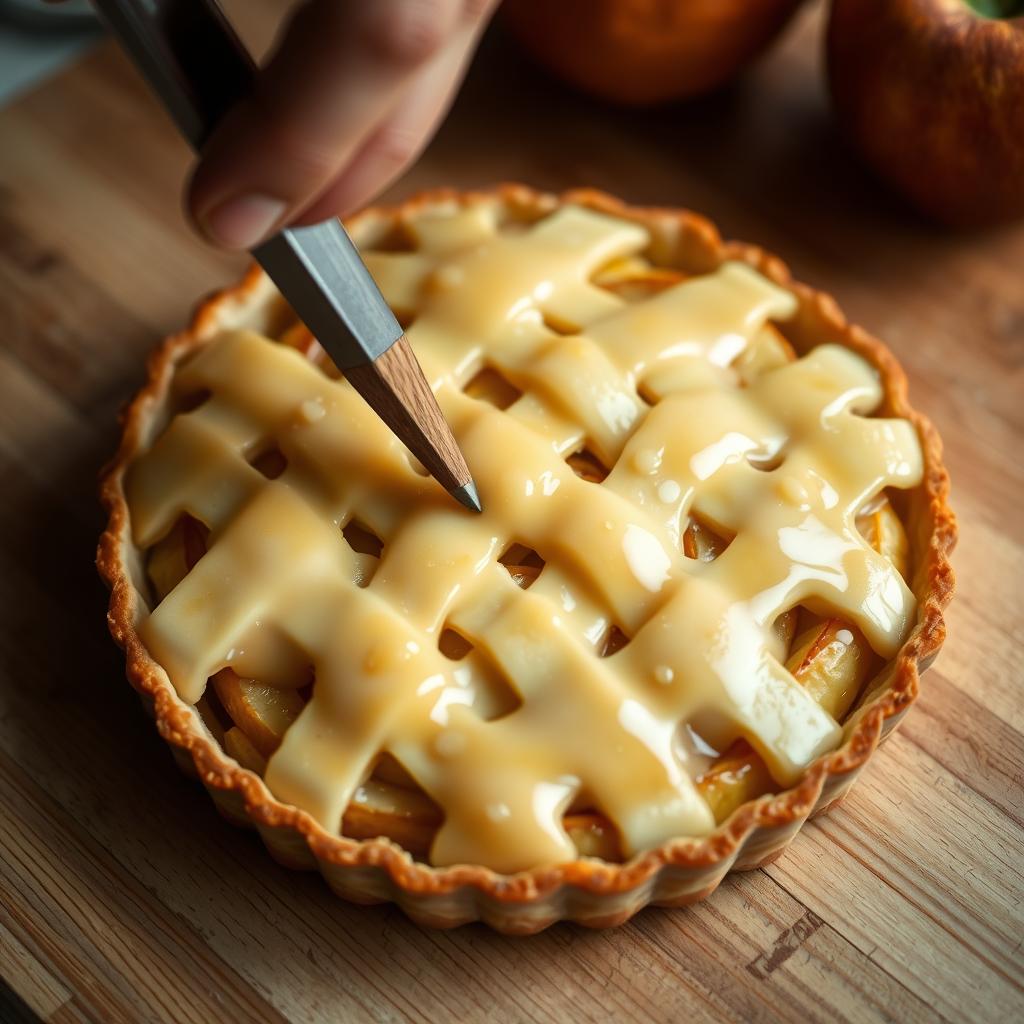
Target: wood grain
(394,385)
(123,896)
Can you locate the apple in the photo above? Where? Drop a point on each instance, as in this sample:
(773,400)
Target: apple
(262,712)
(641,52)
(931,93)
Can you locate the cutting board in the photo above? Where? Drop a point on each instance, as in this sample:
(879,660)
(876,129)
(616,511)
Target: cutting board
(124,897)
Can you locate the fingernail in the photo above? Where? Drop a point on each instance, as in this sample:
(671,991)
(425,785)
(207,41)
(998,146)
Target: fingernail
(244,221)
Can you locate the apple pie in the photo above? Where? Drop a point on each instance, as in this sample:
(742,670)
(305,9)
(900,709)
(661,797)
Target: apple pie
(710,568)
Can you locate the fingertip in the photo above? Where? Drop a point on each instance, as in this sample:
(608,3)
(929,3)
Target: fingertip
(233,199)
(242,222)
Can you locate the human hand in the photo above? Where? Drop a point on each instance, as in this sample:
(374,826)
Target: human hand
(352,92)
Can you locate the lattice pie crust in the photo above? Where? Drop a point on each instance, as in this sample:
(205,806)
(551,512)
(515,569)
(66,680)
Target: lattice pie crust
(711,564)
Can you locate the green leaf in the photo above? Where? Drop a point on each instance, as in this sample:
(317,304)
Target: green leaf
(998,8)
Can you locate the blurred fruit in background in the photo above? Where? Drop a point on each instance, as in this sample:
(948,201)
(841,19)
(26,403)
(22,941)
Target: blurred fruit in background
(931,93)
(641,52)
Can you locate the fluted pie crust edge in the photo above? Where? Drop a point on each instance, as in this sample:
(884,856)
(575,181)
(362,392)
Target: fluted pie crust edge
(590,892)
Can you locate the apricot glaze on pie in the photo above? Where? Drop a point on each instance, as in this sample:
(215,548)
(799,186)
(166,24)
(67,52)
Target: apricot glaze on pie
(711,562)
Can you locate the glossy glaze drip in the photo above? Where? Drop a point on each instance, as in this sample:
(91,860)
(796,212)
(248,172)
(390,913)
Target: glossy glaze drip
(278,590)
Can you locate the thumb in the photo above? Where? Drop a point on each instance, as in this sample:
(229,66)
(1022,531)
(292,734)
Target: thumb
(338,73)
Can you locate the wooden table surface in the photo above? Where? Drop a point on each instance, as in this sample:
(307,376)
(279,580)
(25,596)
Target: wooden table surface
(124,897)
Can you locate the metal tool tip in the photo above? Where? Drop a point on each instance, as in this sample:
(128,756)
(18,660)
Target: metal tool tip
(467,495)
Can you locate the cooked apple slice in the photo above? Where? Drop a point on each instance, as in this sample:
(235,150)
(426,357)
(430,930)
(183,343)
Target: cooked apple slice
(262,712)
(737,776)
(831,661)
(700,542)
(241,748)
(586,465)
(626,269)
(882,529)
(593,835)
(406,816)
(171,558)
(166,565)
(635,284)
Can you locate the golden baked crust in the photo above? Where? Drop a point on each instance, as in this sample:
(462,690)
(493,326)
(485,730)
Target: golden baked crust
(593,892)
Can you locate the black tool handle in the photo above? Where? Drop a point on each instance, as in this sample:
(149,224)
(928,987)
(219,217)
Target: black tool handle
(189,54)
